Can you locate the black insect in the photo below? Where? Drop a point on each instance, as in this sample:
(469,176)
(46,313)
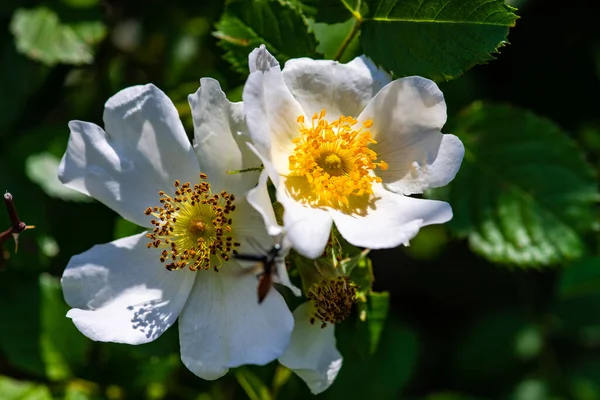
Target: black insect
(267,262)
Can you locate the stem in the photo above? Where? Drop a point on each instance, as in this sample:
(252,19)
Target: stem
(17,225)
(238,171)
(348,39)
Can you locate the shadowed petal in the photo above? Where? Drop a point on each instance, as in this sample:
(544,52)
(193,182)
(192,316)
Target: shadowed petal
(120,292)
(223,325)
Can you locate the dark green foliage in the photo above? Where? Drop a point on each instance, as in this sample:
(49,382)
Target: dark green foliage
(525,194)
(443,319)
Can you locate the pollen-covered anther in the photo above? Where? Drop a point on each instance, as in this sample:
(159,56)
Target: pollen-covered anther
(190,227)
(335,159)
(332,299)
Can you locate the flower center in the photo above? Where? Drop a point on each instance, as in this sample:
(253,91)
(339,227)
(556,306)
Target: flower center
(332,299)
(335,161)
(194,227)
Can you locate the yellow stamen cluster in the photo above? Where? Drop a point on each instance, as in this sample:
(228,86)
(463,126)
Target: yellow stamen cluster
(194,227)
(332,299)
(335,159)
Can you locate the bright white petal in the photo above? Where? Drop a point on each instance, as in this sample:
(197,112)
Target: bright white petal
(306,228)
(144,150)
(393,220)
(312,354)
(408,115)
(340,89)
(261,60)
(258,198)
(223,325)
(218,140)
(436,159)
(120,292)
(271,114)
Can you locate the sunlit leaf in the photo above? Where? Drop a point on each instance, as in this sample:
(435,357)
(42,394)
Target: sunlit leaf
(43,169)
(331,38)
(245,26)
(41,36)
(525,194)
(12,389)
(434,38)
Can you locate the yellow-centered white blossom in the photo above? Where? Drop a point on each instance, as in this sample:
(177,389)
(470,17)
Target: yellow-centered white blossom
(333,160)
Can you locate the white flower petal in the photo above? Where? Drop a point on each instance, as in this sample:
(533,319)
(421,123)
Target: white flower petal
(312,354)
(223,325)
(394,220)
(218,140)
(144,150)
(261,60)
(340,89)
(283,278)
(120,292)
(271,114)
(407,116)
(258,198)
(306,228)
(436,159)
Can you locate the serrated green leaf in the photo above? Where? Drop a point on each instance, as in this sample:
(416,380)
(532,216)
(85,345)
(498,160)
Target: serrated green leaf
(525,194)
(276,24)
(437,39)
(41,36)
(254,388)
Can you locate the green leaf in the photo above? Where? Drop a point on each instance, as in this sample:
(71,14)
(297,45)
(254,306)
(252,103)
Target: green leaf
(12,389)
(63,347)
(19,339)
(331,38)
(579,296)
(580,279)
(43,169)
(525,194)
(276,24)
(336,11)
(41,36)
(380,376)
(437,39)
(255,388)
(125,228)
(369,330)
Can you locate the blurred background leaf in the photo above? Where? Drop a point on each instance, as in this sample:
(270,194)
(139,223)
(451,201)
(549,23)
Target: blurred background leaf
(525,194)
(40,35)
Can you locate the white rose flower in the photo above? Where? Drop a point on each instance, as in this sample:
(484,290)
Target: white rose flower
(132,289)
(342,143)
